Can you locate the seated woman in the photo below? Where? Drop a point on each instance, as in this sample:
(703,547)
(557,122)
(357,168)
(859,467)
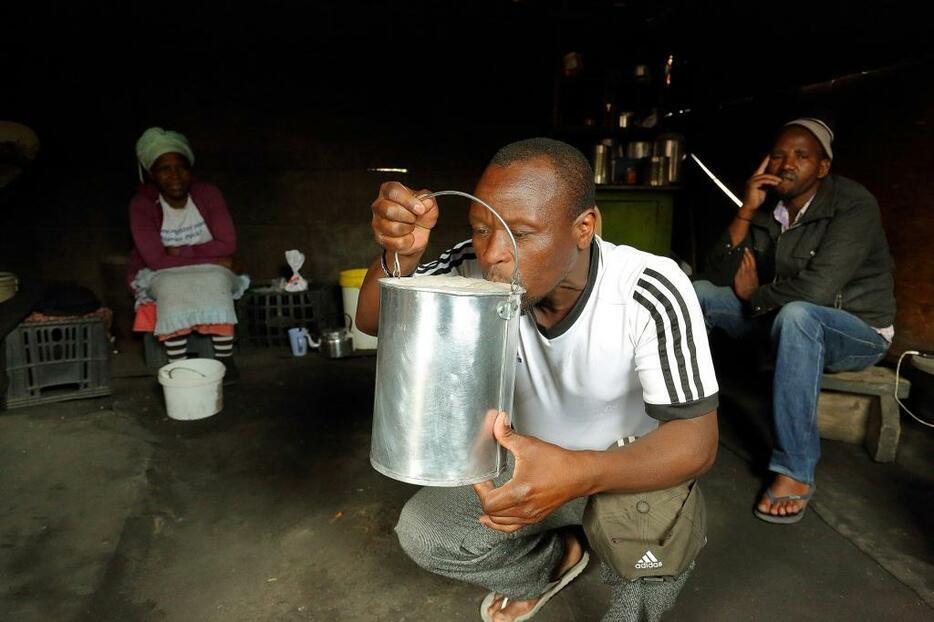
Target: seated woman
(184,241)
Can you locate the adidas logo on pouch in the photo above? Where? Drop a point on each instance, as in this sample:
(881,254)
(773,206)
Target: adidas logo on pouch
(648,561)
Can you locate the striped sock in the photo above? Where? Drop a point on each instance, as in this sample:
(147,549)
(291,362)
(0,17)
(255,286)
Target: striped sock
(223,346)
(176,348)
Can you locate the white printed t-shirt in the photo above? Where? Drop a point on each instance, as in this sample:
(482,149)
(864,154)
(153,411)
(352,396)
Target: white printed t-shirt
(632,352)
(183,227)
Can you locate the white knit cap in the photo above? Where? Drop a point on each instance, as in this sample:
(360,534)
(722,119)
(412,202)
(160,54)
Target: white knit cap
(821,131)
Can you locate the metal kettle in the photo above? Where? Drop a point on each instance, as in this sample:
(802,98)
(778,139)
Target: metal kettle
(338,342)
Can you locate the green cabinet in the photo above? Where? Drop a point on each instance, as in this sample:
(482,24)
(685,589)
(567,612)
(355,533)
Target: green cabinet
(637,216)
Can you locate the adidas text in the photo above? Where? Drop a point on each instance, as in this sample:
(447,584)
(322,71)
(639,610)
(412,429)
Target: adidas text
(648,561)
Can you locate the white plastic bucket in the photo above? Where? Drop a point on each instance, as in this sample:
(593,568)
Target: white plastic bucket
(350,281)
(193,388)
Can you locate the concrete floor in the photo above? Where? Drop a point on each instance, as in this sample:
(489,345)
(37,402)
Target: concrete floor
(270,511)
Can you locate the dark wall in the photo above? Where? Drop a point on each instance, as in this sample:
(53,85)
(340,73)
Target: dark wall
(287,107)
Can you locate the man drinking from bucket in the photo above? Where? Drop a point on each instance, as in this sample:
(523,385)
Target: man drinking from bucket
(613,355)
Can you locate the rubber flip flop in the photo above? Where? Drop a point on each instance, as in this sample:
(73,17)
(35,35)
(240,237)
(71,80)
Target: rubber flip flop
(552,589)
(787,519)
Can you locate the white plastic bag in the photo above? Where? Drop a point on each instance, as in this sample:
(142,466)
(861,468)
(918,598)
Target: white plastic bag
(296,260)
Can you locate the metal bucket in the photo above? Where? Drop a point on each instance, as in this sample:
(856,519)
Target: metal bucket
(445,358)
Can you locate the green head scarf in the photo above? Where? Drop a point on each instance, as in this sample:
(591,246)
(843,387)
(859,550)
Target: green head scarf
(156,142)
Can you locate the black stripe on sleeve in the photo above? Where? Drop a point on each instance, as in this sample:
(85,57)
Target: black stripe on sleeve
(688,410)
(449,267)
(688,329)
(449,259)
(676,337)
(662,344)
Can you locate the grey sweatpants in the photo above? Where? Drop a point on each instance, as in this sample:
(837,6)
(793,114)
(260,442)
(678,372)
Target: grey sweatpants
(439,529)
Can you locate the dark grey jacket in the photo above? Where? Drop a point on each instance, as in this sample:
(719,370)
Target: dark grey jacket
(836,255)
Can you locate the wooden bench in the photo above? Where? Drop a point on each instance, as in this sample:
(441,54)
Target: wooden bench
(860,407)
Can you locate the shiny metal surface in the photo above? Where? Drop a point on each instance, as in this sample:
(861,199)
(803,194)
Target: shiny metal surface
(638,149)
(336,344)
(672,147)
(658,170)
(601,166)
(443,360)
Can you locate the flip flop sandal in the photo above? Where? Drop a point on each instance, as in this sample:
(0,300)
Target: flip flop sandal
(552,589)
(787,519)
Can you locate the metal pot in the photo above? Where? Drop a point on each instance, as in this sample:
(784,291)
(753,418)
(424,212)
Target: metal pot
(445,357)
(658,171)
(672,147)
(336,344)
(601,164)
(639,149)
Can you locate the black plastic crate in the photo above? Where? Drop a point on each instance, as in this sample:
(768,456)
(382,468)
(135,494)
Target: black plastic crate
(265,315)
(57,361)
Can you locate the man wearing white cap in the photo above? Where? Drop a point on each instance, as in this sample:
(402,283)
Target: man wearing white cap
(806,262)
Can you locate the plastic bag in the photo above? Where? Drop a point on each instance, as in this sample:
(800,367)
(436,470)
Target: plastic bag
(296,260)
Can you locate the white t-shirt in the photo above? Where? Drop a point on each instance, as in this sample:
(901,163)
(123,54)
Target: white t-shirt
(632,352)
(183,227)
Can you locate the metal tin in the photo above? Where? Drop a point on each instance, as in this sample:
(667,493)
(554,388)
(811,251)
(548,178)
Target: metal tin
(658,171)
(444,360)
(601,167)
(672,147)
(638,149)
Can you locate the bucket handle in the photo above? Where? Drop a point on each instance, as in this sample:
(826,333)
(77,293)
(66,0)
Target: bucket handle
(175,369)
(397,269)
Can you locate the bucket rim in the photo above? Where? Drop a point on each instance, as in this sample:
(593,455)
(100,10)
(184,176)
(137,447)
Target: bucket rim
(183,382)
(394,283)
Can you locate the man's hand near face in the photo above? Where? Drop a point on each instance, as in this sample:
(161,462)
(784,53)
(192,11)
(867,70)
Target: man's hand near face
(757,188)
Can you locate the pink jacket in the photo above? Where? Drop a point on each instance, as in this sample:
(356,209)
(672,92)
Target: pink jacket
(146,225)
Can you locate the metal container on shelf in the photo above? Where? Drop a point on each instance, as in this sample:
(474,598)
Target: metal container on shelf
(601,164)
(671,146)
(638,149)
(658,171)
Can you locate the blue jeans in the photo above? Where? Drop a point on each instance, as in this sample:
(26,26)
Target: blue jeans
(806,340)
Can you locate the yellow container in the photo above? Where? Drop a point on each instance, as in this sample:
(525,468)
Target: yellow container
(353,277)
(350,282)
